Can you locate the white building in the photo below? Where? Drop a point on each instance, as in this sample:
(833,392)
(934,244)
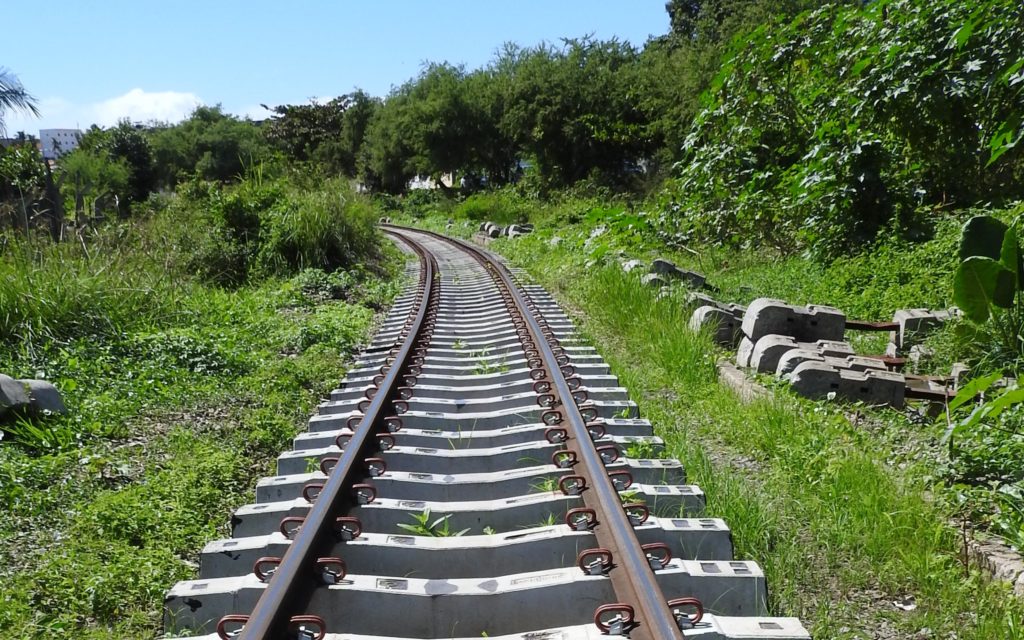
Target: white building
(56,142)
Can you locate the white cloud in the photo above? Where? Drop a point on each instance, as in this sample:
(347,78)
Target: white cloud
(138,105)
(253,112)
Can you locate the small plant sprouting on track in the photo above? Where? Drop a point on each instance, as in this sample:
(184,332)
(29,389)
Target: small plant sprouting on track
(623,413)
(544,485)
(439,528)
(489,530)
(550,521)
(312,465)
(630,496)
(643,450)
(458,344)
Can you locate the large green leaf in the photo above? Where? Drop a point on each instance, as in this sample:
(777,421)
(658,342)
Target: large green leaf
(970,390)
(1010,256)
(982,236)
(979,283)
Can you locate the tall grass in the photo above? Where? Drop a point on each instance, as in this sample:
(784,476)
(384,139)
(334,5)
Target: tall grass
(100,285)
(322,229)
(810,496)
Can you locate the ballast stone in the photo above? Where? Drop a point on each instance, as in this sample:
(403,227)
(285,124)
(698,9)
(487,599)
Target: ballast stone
(766,316)
(817,380)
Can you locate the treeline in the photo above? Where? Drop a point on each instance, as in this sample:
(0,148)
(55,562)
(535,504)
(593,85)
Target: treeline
(794,123)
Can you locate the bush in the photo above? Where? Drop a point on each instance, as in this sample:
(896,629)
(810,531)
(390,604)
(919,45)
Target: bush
(61,291)
(500,207)
(325,229)
(822,133)
(259,229)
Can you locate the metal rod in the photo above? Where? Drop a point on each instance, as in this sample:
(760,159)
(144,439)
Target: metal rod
(295,574)
(633,580)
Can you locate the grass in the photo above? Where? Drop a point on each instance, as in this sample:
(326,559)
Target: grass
(181,393)
(842,519)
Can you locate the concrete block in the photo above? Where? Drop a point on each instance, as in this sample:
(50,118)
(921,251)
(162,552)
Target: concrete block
(44,397)
(653,280)
(630,265)
(768,350)
(744,351)
(792,359)
(915,325)
(724,325)
(819,379)
(668,269)
(13,395)
(765,316)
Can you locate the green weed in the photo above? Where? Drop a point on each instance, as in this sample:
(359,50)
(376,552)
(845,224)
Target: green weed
(437,528)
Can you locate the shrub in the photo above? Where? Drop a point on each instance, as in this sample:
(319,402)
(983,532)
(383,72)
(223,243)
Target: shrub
(821,133)
(500,207)
(232,235)
(325,229)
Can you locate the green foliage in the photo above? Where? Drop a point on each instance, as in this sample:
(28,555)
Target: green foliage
(128,144)
(437,528)
(263,227)
(57,292)
(209,144)
(499,208)
(988,281)
(88,178)
(330,134)
(179,394)
(14,96)
(985,438)
(820,133)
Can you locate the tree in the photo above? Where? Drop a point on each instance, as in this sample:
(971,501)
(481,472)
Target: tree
(125,142)
(90,176)
(572,110)
(329,134)
(14,97)
(22,182)
(210,143)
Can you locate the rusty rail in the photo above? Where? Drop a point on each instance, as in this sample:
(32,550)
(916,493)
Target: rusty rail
(642,606)
(295,573)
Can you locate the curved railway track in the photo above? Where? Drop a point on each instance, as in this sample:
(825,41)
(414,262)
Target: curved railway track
(478,420)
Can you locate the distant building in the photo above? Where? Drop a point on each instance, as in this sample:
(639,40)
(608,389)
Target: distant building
(56,142)
(426,182)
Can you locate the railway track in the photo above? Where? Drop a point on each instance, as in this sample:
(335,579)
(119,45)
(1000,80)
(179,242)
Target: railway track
(479,473)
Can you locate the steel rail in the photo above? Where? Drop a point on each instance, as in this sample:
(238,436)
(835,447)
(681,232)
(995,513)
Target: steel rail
(633,579)
(295,575)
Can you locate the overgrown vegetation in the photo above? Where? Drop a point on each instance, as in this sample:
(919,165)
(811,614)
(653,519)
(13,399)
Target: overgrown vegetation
(182,384)
(823,153)
(842,514)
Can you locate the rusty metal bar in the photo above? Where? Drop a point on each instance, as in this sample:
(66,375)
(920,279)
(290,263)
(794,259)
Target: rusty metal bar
(866,325)
(294,577)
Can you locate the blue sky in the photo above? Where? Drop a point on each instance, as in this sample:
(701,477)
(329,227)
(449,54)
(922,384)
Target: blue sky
(94,62)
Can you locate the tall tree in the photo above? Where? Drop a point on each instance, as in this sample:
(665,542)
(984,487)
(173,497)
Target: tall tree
(127,143)
(14,97)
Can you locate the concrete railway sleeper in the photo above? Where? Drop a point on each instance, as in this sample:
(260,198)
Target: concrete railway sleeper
(479,472)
